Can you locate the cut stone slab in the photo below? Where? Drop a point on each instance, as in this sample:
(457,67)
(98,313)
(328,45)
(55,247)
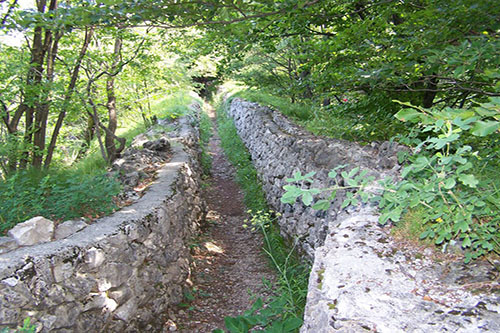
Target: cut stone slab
(7,244)
(68,228)
(34,231)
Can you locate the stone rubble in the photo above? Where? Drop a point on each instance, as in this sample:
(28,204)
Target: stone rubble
(361,280)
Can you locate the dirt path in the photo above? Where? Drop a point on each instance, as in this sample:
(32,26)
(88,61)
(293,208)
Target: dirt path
(229,263)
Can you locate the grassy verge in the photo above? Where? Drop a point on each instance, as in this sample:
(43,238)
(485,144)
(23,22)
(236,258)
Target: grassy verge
(284,312)
(297,111)
(206,130)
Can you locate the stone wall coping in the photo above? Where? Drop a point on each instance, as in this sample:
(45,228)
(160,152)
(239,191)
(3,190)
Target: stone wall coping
(104,226)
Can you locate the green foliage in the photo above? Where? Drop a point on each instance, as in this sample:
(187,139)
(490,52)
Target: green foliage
(357,117)
(268,317)
(283,312)
(237,154)
(174,105)
(298,111)
(206,129)
(355,180)
(444,180)
(57,195)
(26,328)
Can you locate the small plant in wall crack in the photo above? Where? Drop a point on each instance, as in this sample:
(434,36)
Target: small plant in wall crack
(26,328)
(354,182)
(442,179)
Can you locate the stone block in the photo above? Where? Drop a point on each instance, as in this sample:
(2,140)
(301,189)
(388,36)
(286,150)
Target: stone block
(68,228)
(7,244)
(34,231)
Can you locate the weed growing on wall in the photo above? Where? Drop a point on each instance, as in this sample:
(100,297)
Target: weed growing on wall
(26,328)
(284,311)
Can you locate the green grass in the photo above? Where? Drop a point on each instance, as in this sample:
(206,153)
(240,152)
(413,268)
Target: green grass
(172,106)
(57,195)
(297,111)
(206,132)
(286,307)
(359,118)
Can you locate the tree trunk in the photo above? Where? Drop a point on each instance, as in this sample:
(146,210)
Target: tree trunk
(33,81)
(67,97)
(430,94)
(42,112)
(111,149)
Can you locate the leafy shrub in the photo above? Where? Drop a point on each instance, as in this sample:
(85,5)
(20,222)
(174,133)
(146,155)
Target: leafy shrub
(56,195)
(445,179)
(362,118)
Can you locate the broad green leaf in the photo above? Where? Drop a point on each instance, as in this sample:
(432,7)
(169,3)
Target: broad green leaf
(408,115)
(406,171)
(236,325)
(449,183)
(346,203)
(466,242)
(321,205)
(484,128)
(291,324)
(353,172)
(307,198)
(468,179)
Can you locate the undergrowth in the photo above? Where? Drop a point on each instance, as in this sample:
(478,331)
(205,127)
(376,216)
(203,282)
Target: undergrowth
(363,119)
(298,111)
(284,311)
(80,189)
(57,195)
(26,328)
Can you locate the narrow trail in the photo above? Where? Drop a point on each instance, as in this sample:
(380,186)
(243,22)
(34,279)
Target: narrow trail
(229,263)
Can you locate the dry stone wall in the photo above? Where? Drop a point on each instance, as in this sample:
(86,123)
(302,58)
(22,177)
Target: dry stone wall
(279,148)
(121,273)
(361,280)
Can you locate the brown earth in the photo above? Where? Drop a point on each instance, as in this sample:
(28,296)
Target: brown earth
(229,265)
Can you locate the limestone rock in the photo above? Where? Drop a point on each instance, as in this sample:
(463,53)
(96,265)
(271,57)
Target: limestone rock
(7,244)
(161,144)
(34,231)
(68,228)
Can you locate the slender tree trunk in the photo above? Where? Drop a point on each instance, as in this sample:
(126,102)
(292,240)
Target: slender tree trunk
(42,112)
(68,95)
(33,84)
(428,98)
(109,140)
